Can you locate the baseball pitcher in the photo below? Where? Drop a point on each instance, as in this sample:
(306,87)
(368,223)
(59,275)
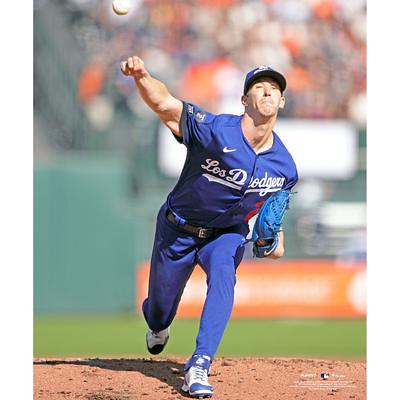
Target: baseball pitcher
(236,167)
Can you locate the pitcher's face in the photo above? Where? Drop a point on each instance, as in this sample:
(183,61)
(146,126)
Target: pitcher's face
(264,97)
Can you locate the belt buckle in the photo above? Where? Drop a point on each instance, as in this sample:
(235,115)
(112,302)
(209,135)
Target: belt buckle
(202,233)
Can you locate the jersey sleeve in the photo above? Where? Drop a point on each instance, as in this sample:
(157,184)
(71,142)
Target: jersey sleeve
(291,182)
(196,126)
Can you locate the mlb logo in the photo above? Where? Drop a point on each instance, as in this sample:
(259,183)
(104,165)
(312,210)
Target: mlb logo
(200,116)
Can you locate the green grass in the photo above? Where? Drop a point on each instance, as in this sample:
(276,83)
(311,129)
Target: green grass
(123,336)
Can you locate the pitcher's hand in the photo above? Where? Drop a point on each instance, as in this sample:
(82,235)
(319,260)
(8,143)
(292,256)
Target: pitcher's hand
(134,67)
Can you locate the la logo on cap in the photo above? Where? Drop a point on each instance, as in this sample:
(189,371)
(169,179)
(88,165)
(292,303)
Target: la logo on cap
(261,68)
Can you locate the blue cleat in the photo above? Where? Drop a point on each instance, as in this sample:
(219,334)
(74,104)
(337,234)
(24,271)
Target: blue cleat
(196,377)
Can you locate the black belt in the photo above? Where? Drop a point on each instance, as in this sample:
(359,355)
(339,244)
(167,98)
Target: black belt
(202,233)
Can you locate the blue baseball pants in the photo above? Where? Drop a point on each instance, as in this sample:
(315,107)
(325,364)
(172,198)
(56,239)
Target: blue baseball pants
(175,254)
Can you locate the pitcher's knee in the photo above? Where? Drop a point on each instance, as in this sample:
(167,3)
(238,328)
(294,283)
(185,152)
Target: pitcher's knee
(222,276)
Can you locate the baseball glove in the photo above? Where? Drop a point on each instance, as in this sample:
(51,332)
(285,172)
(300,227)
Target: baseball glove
(268,223)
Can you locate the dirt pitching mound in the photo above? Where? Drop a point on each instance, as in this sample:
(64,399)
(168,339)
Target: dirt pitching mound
(232,378)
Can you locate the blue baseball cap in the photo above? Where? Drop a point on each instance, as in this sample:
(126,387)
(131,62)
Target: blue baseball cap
(264,72)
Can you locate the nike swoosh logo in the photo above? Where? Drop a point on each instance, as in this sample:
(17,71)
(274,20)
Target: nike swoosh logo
(226,150)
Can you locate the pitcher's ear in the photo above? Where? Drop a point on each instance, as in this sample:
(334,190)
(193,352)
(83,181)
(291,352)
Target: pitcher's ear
(244,100)
(282,102)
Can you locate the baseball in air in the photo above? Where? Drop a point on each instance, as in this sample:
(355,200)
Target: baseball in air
(121,7)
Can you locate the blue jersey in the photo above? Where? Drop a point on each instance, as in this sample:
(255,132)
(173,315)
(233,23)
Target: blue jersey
(224,181)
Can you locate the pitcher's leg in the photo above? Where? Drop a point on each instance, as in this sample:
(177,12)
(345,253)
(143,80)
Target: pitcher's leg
(172,263)
(160,307)
(219,259)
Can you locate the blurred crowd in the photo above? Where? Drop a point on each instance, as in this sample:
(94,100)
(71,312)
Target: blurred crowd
(202,50)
